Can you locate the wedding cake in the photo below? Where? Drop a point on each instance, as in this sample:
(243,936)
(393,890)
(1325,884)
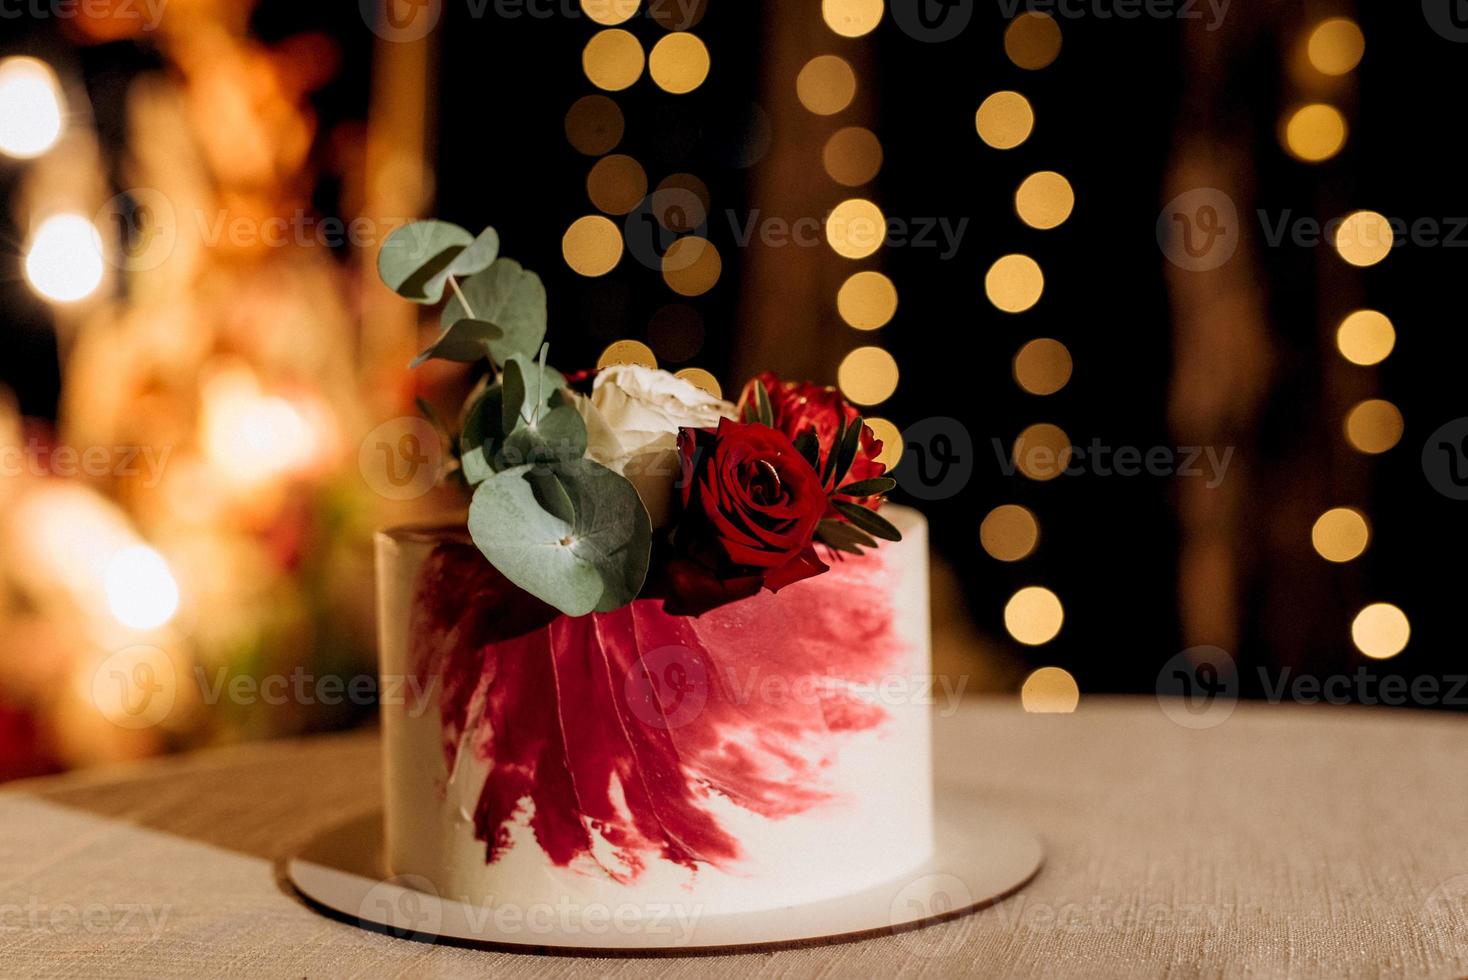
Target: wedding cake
(676,653)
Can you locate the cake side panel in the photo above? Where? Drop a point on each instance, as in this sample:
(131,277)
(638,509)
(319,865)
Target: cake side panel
(811,750)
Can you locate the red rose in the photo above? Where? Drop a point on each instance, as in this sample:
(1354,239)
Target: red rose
(751,504)
(801,406)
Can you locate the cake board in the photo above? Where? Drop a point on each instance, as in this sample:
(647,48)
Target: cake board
(979,859)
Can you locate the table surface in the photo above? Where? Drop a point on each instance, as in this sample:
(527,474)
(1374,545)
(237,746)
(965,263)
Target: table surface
(1287,841)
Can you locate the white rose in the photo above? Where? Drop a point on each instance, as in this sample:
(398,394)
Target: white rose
(632,422)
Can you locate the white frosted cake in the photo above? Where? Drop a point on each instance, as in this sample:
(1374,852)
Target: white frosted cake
(770,752)
(676,653)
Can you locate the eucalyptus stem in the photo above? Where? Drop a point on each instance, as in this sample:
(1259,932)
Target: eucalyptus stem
(464,302)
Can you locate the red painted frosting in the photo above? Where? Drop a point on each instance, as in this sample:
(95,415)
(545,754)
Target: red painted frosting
(623,724)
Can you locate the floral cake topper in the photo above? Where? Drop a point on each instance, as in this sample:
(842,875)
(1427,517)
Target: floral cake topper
(576,492)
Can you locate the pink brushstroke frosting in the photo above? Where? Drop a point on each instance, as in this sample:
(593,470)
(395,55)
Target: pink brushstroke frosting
(621,725)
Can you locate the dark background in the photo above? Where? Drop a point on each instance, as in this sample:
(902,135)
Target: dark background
(1111,111)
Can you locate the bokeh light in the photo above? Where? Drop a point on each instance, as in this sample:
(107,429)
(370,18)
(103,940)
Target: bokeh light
(700,378)
(1034,615)
(1032,40)
(1315,132)
(141,591)
(1050,691)
(867,376)
(852,18)
(592,246)
(1042,451)
(1009,532)
(890,437)
(1044,200)
(32,114)
(1340,534)
(594,125)
(681,203)
(617,184)
(856,228)
(692,266)
(64,261)
(852,156)
(627,352)
(1014,283)
(826,85)
(679,63)
(610,13)
(1042,366)
(1005,120)
(612,59)
(1366,337)
(867,300)
(1364,238)
(1374,426)
(1336,46)
(1381,631)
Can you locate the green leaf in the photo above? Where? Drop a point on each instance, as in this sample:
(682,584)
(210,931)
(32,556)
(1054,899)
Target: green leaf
(830,469)
(766,414)
(511,298)
(809,446)
(414,260)
(844,537)
(847,447)
(868,520)
(530,387)
(558,434)
(466,341)
(595,561)
(869,488)
(480,434)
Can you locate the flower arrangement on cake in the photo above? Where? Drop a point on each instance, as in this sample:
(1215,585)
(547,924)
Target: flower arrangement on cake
(653,650)
(574,493)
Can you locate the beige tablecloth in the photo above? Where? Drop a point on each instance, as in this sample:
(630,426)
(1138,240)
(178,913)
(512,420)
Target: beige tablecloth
(1287,841)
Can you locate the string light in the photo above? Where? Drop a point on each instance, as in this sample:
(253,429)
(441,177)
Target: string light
(1336,46)
(1381,631)
(1042,451)
(852,18)
(1009,532)
(1044,200)
(890,437)
(1315,132)
(1050,691)
(592,246)
(1364,238)
(826,85)
(1366,337)
(700,378)
(32,113)
(1005,120)
(141,591)
(679,63)
(64,261)
(595,125)
(1042,366)
(1340,534)
(1034,615)
(852,156)
(1014,283)
(1032,40)
(610,13)
(1374,426)
(867,376)
(856,228)
(627,352)
(612,59)
(867,300)
(692,266)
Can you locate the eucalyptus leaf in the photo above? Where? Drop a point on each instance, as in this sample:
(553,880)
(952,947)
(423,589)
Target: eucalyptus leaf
(868,520)
(596,561)
(558,434)
(414,260)
(480,435)
(466,341)
(508,296)
(530,387)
